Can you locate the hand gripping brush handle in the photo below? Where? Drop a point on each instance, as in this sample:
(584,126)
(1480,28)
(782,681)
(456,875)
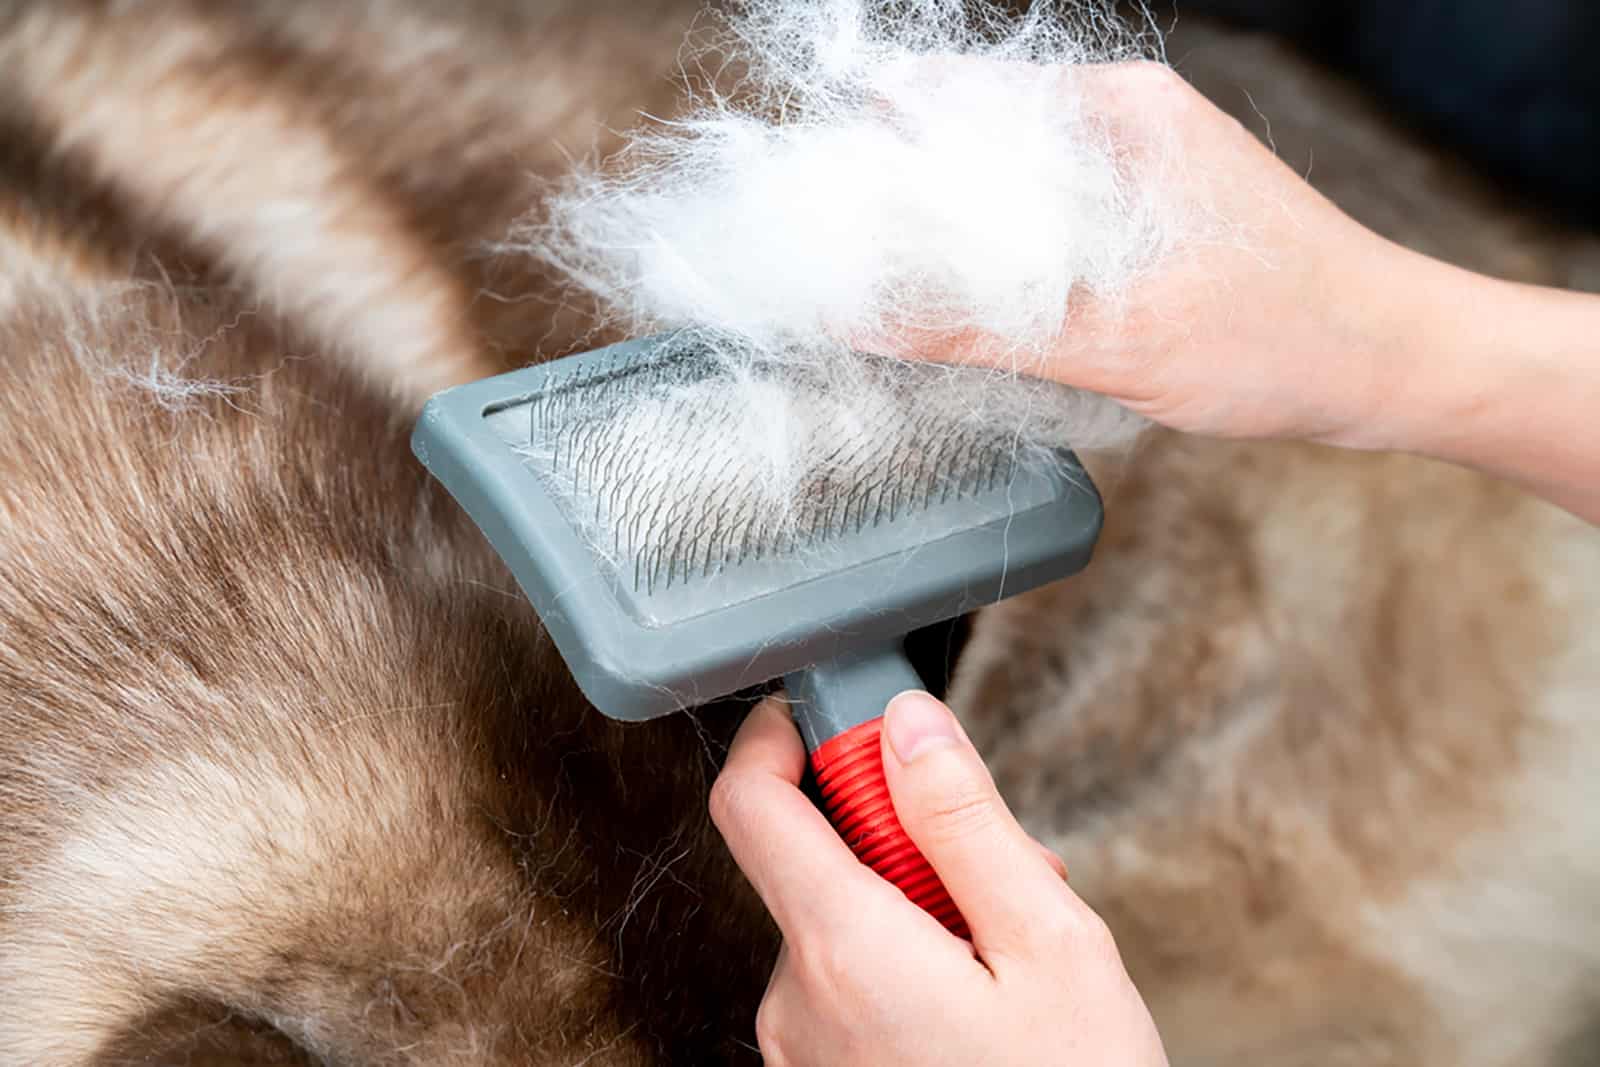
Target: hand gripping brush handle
(838,707)
(612,486)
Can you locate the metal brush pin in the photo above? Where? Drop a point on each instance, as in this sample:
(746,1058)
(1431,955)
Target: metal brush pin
(669,573)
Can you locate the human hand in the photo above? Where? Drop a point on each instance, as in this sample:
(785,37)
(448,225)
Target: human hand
(1274,313)
(867,977)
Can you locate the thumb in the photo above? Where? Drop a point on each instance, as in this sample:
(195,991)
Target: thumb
(944,797)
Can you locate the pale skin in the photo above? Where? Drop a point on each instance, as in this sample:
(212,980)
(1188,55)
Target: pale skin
(1294,323)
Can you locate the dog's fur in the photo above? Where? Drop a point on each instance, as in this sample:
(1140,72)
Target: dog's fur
(288,773)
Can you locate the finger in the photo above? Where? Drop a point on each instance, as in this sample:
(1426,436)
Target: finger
(967,346)
(803,872)
(945,799)
(767,740)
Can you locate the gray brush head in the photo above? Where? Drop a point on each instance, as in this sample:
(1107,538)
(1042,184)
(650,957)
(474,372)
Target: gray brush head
(672,563)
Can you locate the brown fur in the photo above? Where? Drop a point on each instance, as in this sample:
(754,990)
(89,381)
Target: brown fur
(282,738)
(288,773)
(285,752)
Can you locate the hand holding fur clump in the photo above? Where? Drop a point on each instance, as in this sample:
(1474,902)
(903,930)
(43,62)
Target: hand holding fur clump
(1278,315)
(1269,318)
(881,169)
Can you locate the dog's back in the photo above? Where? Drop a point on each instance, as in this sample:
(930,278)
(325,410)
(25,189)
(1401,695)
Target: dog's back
(288,772)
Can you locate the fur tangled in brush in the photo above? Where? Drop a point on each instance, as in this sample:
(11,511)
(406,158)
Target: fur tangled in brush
(851,172)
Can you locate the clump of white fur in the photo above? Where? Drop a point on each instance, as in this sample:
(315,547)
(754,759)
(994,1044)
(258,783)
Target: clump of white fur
(853,172)
(882,164)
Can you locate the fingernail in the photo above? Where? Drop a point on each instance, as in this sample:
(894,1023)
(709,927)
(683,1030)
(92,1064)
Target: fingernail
(918,724)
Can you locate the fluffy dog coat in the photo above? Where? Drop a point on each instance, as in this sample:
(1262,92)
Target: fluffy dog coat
(289,774)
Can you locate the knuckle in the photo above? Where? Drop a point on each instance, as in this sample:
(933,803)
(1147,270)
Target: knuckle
(831,959)
(1154,76)
(1144,83)
(729,799)
(841,965)
(960,810)
(1097,942)
(1078,931)
(1125,76)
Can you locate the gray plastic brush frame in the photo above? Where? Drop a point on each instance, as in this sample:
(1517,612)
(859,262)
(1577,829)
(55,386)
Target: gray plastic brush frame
(632,669)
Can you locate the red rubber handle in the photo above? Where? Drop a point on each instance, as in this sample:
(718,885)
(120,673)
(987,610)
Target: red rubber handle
(849,768)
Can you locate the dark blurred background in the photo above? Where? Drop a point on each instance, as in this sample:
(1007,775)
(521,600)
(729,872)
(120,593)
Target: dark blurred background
(1514,85)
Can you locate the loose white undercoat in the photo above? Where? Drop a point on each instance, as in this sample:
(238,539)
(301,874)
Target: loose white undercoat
(877,171)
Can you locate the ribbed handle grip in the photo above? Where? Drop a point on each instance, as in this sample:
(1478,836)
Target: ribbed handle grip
(849,770)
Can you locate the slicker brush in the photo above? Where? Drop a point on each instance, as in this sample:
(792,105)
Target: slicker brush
(668,578)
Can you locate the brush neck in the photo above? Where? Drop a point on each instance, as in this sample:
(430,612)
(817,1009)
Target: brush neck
(832,697)
(839,706)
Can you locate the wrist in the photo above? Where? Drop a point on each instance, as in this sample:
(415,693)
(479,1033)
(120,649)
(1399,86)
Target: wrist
(1489,374)
(1404,380)
(1441,378)
(1363,349)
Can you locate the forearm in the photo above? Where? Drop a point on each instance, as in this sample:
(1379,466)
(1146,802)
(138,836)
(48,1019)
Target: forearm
(1498,376)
